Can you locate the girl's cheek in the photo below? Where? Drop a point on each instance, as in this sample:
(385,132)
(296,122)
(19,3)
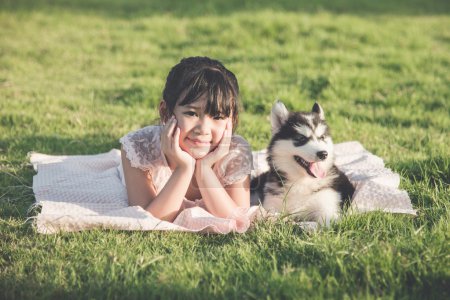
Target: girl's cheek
(182,124)
(219,136)
(181,142)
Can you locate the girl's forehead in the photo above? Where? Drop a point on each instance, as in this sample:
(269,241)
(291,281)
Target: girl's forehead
(200,102)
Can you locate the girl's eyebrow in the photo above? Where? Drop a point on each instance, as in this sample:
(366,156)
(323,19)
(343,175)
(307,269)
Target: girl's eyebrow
(192,106)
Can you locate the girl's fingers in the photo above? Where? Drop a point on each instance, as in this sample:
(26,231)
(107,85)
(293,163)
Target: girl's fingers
(226,135)
(225,142)
(230,127)
(167,134)
(169,128)
(169,123)
(176,137)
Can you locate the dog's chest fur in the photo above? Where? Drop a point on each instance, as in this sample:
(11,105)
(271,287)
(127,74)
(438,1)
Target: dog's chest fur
(301,197)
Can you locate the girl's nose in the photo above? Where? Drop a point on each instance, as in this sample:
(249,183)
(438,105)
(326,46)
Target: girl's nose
(203,125)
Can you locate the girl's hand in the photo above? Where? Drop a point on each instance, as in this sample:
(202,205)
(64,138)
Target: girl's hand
(222,149)
(170,146)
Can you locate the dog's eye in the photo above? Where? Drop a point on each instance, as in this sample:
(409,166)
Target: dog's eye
(300,140)
(322,138)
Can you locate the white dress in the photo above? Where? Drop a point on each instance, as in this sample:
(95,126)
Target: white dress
(143,150)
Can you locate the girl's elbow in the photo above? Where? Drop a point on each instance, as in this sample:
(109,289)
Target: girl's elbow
(244,203)
(162,214)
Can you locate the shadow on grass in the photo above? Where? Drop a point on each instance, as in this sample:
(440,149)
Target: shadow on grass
(18,148)
(121,279)
(181,8)
(390,121)
(132,95)
(427,184)
(16,193)
(100,288)
(433,171)
(16,200)
(16,174)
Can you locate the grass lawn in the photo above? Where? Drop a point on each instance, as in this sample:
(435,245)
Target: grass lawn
(77,75)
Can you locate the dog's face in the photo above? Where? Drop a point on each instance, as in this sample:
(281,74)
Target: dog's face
(301,145)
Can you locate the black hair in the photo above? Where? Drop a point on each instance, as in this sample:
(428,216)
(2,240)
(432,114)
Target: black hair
(194,77)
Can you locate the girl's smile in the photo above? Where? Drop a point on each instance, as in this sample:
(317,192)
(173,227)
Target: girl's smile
(198,142)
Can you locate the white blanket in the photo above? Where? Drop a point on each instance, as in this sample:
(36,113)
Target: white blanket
(85,191)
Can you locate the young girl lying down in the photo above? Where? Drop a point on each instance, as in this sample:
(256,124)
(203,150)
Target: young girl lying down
(192,158)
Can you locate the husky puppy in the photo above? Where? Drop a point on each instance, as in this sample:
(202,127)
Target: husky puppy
(303,180)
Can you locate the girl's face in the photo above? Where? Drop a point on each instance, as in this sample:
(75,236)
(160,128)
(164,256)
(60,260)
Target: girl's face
(200,133)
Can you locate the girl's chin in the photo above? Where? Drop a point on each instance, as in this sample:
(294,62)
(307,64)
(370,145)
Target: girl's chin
(198,153)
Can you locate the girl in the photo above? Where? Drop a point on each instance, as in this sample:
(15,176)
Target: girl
(193,154)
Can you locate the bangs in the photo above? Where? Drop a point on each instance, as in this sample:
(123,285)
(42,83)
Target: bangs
(220,94)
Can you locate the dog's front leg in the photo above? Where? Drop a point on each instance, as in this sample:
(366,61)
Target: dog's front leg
(322,207)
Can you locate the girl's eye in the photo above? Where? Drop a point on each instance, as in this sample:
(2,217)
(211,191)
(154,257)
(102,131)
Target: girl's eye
(190,113)
(219,117)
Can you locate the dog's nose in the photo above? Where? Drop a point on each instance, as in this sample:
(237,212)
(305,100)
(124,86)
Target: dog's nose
(322,155)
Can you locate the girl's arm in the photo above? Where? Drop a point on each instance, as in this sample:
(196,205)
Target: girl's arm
(221,201)
(167,203)
(140,190)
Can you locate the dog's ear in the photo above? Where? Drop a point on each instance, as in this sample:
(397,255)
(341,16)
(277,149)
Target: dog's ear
(318,110)
(278,116)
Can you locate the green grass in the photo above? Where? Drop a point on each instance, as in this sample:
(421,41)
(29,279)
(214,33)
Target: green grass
(77,75)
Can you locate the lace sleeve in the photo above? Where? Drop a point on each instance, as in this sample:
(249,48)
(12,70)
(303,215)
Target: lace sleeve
(237,164)
(143,147)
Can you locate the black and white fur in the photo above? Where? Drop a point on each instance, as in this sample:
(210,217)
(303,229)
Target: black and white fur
(301,140)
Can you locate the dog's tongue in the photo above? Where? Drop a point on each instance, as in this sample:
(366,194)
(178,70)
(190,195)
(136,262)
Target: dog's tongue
(315,168)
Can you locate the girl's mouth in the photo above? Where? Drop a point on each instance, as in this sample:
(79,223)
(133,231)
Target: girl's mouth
(198,142)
